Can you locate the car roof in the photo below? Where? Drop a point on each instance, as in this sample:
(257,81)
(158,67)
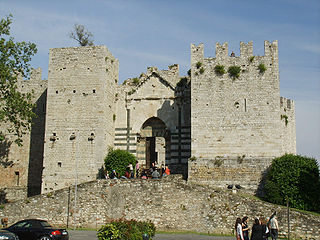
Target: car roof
(33,219)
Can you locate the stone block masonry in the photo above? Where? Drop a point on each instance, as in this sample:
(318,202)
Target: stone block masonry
(235,115)
(217,117)
(171,203)
(79,120)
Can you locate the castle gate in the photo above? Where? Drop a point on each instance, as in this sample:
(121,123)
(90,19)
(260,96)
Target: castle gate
(153,145)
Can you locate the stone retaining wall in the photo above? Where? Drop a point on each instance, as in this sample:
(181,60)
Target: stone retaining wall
(171,203)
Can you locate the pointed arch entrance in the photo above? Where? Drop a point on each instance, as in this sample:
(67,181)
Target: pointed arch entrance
(154,143)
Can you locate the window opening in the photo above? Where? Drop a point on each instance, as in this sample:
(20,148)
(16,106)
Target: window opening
(17,178)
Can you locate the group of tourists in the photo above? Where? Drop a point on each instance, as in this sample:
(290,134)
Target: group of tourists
(261,229)
(153,172)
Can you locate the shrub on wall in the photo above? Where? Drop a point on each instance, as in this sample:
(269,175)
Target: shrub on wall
(126,230)
(219,70)
(262,68)
(198,64)
(119,160)
(234,71)
(296,178)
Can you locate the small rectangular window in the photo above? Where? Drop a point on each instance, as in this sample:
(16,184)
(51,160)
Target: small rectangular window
(94,91)
(17,178)
(59,164)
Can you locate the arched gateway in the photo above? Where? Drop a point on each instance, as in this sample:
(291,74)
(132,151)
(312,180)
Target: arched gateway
(153,143)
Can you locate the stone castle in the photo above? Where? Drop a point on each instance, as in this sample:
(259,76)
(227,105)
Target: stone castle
(215,126)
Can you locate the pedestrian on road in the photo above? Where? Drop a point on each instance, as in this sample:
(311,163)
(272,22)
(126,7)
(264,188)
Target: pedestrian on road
(274,228)
(238,228)
(245,228)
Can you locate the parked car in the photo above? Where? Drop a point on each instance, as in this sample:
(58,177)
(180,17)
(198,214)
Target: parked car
(4,234)
(35,229)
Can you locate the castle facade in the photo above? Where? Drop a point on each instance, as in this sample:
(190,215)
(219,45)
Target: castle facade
(221,125)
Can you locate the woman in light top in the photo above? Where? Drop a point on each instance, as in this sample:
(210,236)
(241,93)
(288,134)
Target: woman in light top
(238,228)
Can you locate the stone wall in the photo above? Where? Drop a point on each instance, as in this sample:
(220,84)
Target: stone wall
(236,116)
(79,120)
(171,203)
(244,172)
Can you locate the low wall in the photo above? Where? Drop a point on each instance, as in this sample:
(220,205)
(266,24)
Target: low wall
(171,203)
(246,172)
(13,193)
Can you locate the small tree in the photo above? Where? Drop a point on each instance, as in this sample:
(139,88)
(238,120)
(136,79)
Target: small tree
(81,35)
(119,160)
(296,178)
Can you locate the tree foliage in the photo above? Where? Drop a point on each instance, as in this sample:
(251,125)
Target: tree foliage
(15,107)
(81,35)
(296,178)
(119,160)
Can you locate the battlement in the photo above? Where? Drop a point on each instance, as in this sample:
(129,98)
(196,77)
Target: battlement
(35,84)
(222,50)
(286,103)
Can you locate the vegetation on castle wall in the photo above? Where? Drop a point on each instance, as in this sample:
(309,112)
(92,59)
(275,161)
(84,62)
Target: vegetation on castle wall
(219,70)
(285,117)
(234,71)
(135,81)
(119,160)
(198,65)
(262,68)
(126,230)
(81,35)
(15,107)
(132,91)
(295,178)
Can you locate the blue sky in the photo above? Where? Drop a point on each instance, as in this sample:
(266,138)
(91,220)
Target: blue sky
(159,33)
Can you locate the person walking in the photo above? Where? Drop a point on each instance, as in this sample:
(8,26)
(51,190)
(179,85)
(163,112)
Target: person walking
(274,227)
(245,228)
(265,229)
(256,231)
(238,228)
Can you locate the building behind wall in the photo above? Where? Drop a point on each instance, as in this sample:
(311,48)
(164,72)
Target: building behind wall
(212,127)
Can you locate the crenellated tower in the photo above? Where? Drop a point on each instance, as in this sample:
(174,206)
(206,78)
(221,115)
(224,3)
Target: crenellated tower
(235,106)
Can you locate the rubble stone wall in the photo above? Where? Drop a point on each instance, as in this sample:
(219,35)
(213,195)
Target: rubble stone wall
(171,203)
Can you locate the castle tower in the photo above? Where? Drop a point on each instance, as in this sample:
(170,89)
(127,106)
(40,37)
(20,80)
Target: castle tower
(80,107)
(236,113)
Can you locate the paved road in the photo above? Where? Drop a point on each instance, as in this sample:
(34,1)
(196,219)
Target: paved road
(91,235)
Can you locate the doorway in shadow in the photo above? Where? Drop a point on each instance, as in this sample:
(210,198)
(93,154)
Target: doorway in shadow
(154,143)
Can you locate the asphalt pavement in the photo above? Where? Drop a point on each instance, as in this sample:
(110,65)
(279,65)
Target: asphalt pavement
(92,235)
